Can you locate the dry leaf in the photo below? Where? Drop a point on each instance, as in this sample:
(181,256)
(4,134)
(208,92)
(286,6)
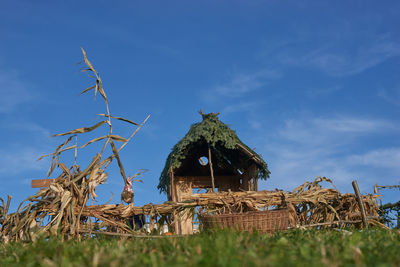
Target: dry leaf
(119,118)
(87,89)
(83,129)
(114,137)
(121,167)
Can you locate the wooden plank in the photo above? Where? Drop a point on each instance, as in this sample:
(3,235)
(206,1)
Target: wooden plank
(37,183)
(183,219)
(204,181)
(185,223)
(360,204)
(247,176)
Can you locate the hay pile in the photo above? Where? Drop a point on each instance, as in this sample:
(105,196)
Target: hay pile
(309,205)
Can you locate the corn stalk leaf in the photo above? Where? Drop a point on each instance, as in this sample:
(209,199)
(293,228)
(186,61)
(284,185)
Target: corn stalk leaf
(121,167)
(119,118)
(53,163)
(87,89)
(114,137)
(82,130)
(140,172)
(106,161)
(94,140)
(118,138)
(85,172)
(64,168)
(100,88)
(60,146)
(63,144)
(58,152)
(87,62)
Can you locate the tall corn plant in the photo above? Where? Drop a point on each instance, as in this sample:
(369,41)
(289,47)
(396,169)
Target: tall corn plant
(101,161)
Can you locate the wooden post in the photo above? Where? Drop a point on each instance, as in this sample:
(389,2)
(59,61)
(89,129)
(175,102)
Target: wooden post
(183,222)
(173,195)
(184,219)
(360,204)
(172,185)
(211,169)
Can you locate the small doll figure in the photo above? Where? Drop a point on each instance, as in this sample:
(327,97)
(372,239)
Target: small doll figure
(127,194)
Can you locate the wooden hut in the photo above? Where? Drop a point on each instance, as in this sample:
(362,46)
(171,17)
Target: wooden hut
(210,157)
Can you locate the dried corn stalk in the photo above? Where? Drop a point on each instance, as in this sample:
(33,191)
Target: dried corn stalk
(59,208)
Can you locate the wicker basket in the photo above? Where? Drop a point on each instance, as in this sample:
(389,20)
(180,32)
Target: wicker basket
(261,221)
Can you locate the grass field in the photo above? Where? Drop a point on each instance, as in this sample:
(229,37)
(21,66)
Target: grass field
(295,248)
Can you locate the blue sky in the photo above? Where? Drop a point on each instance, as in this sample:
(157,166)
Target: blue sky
(314,86)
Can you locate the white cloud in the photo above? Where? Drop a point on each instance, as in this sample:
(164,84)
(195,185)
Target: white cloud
(19,157)
(333,131)
(13,91)
(352,125)
(381,158)
(307,148)
(291,166)
(241,84)
(336,59)
(255,124)
(391,96)
(315,92)
(28,128)
(239,107)
(19,160)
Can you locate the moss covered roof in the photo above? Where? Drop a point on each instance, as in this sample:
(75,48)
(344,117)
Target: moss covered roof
(229,150)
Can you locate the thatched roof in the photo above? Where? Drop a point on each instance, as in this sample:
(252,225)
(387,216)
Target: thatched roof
(230,156)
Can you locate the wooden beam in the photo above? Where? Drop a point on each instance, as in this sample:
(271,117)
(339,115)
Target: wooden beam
(37,183)
(204,181)
(251,155)
(202,178)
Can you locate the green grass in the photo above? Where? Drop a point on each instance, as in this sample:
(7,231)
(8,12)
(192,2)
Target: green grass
(295,248)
